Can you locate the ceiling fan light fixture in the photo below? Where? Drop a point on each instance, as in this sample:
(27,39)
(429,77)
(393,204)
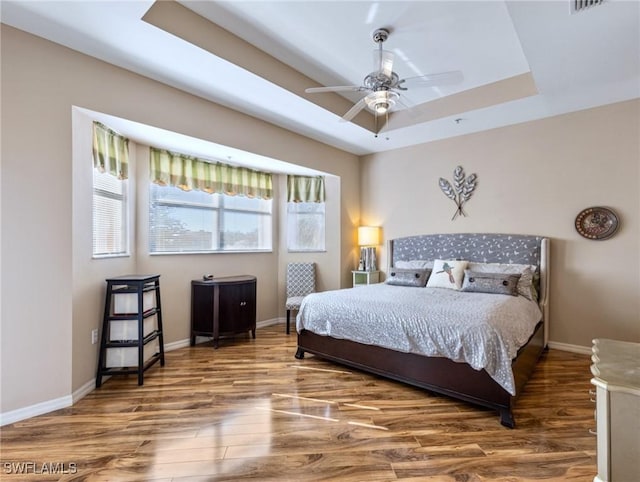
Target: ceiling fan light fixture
(381,107)
(382,101)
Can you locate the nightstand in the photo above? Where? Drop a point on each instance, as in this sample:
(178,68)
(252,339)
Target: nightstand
(363,278)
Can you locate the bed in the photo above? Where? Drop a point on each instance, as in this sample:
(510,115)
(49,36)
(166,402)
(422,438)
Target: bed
(417,345)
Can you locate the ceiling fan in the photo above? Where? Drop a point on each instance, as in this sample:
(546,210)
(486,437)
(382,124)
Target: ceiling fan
(383,85)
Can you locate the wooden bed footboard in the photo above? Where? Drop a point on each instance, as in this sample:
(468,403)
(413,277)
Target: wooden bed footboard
(440,375)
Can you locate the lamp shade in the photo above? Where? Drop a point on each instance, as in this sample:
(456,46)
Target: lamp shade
(368,236)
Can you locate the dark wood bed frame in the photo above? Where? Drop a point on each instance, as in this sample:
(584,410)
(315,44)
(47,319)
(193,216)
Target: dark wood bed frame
(437,374)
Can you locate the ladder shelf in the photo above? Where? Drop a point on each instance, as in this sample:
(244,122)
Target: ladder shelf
(132,339)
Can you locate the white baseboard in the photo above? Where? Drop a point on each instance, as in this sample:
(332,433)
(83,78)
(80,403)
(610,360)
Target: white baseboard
(85,389)
(174,345)
(583,350)
(35,410)
(272,321)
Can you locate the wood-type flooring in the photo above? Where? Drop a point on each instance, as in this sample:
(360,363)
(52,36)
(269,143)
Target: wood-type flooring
(250,411)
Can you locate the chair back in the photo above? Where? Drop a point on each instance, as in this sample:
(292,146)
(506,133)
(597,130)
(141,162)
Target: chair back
(301,279)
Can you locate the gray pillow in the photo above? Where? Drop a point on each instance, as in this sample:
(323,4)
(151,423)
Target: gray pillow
(408,277)
(526,286)
(496,283)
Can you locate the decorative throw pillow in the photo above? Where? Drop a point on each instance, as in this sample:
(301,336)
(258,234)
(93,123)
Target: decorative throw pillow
(414,264)
(447,274)
(408,277)
(496,283)
(526,285)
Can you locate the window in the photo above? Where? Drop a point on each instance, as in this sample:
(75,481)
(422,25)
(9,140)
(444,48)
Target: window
(305,213)
(199,206)
(110,233)
(110,173)
(196,221)
(305,226)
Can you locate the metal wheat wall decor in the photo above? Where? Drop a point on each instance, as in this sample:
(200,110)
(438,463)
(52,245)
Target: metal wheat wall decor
(461,191)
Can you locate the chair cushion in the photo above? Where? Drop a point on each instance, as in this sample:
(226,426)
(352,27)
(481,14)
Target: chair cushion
(294,302)
(301,279)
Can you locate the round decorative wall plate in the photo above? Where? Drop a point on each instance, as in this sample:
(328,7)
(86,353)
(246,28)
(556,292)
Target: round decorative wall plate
(596,223)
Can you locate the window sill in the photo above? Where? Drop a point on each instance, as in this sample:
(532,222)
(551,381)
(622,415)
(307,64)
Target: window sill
(110,256)
(173,253)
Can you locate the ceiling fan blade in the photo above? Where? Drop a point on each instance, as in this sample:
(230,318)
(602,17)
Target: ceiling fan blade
(357,107)
(383,62)
(336,88)
(405,102)
(409,106)
(442,78)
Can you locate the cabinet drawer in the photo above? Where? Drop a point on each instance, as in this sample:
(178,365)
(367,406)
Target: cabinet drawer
(121,330)
(128,356)
(127,303)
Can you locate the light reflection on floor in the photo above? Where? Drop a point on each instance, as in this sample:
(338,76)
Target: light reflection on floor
(223,448)
(247,430)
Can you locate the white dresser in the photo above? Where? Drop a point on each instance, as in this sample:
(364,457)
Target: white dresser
(616,370)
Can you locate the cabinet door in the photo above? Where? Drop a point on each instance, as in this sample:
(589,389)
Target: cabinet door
(603,437)
(247,315)
(237,307)
(202,308)
(625,435)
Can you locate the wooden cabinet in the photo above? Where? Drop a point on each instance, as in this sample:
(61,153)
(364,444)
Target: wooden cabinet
(223,306)
(617,380)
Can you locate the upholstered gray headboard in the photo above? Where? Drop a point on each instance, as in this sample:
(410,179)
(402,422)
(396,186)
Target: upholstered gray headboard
(483,248)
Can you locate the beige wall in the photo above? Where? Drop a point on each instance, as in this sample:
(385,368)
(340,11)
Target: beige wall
(52,290)
(534,178)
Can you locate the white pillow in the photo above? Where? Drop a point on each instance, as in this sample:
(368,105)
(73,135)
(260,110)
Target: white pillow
(447,274)
(414,264)
(525,287)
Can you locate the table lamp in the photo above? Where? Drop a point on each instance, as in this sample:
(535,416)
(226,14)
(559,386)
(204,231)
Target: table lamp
(368,239)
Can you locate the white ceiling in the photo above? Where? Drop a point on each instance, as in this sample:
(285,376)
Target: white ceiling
(332,41)
(575,61)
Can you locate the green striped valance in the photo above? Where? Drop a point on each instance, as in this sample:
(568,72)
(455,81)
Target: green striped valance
(110,151)
(191,173)
(307,189)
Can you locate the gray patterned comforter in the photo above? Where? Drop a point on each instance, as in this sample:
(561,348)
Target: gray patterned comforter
(483,330)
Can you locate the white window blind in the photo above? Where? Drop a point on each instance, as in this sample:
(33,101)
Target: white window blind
(110,223)
(195,221)
(306,226)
